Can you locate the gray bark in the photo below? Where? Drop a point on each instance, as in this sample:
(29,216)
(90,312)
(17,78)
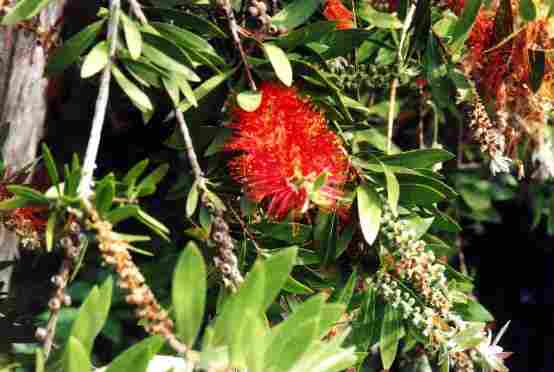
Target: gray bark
(23,104)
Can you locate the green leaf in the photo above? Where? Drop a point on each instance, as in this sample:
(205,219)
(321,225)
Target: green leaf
(296,344)
(473,311)
(310,33)
(104,195)
(39,360)
(192,199)
(172,88)
(189,293)
(148,185)
(277,268)
(527,10)
(280,62)
(13,203)
(462,28)
(294,286)
(50,165)
(206,87)
(137,357)
(167,56)
(76,357)
(187,91)
(249,296)
(137,96)
(391,332)
(249,100)
(122,213)
(537,60)
(425,158)
(70,51)
(134,173)
(295,13)
(95,60)
(378,19)
(344,295)
(24,9)
(290,232)
(413,193)
(393,189)
(186,39)
(155,225)
(133,38)
(92,315)
(369,212)
(28,193)
(50,227)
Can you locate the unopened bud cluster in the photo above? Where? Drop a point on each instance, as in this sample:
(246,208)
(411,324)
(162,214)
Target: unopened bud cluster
(415,265)
(115,253)
(462,362)
(71,247)
(225,260)
(257,11)
(365,76)
(422,317)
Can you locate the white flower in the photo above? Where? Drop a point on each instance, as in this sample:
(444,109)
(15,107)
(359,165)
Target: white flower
(500,164)
(493,355)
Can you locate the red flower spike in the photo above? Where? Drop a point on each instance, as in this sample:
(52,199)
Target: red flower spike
(284,147)
(336,11)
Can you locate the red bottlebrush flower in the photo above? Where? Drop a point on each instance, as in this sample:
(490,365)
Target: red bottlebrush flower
(285,146)
(336,11)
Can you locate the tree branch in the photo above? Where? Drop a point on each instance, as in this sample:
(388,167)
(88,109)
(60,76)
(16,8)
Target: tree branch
(85,186)
(234,28)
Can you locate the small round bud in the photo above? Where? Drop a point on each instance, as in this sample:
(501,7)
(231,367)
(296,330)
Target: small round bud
(54,304)
(57,280)
(67,300)
(273,29)
(66,242)
(74,227)
(41,334)
(262,7)
(253,11)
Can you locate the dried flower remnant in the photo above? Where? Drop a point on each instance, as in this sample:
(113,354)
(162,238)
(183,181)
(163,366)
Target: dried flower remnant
(284,147)
(336,11)
(28,223)
(490,137)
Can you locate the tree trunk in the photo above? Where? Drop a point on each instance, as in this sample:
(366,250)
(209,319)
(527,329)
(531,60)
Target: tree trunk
(23,103)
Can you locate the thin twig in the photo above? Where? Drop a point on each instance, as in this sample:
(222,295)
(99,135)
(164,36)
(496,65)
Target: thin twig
(136,8)
(85,186)
(392,104)
(191,154)
(234,28)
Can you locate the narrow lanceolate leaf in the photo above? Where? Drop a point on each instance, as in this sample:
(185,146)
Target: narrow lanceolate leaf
(76,357)
(133,38)
(280,62)
(206,87)
(393,188)
(369,211)
(50,227)
(189,293)
(137,96)
(295,13)
(465,22)
(50,165)
(192,199)
(95,60)
(137,357)
(249,100)
(527,10)
(70,51)
(391,332)
(24,9)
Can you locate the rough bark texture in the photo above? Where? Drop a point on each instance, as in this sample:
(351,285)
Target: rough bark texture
(23,103)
